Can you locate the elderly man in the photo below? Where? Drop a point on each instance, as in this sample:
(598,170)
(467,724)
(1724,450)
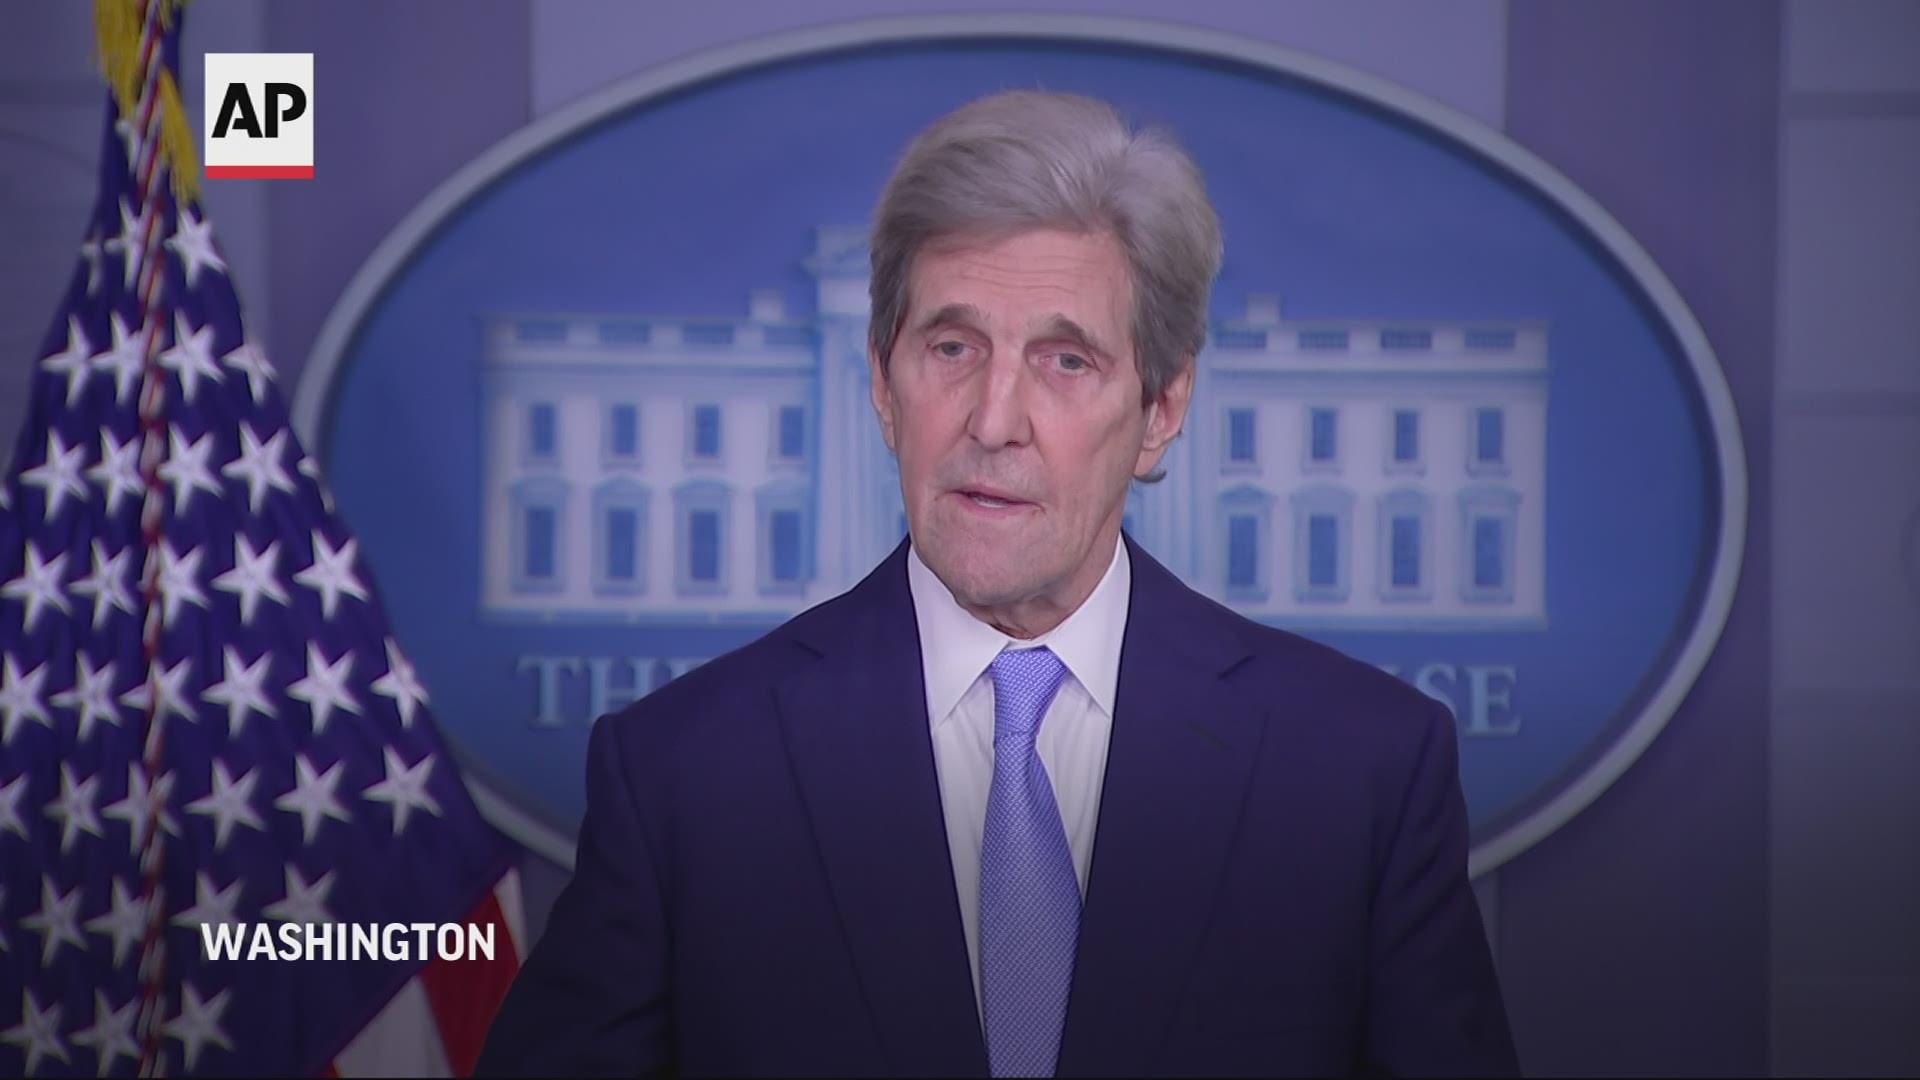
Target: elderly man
(1021,803)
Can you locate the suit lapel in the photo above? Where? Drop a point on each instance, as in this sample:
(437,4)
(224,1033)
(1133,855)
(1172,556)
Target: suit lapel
(858,737)
(1178,764)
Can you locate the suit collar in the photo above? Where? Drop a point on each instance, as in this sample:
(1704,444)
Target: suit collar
(1179,762)
(955,646)
(862,755)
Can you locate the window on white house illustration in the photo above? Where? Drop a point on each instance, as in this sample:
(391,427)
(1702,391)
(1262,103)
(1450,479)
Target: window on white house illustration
(1240,436)
(784,509)
(790,441)
(705,432)
(543,526)
(539,518)
(1403,516)
(784,527)
(1489,551)
(701,510)
(543,435)
(1323,436)
(1243,551)
(1246,523)
(623,432)
(703,538)
(623,543)
(1323,551)
(1403,561)
(1323,519)
(620,536)
(1490,515)
(1489,437)
(1406,437)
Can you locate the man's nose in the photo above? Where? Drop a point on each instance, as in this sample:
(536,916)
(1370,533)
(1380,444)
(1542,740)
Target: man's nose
(1000,416)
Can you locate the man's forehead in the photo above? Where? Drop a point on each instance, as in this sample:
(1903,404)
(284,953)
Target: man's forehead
(1039,293)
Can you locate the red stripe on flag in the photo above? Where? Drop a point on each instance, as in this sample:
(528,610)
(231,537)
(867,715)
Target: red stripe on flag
(465,994)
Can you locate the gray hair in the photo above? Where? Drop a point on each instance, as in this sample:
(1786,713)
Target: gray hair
(1024,159)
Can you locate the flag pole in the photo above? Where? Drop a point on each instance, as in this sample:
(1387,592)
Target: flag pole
(144,90)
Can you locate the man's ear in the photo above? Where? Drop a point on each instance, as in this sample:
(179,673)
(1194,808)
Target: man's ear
(882,394)
(1165,417)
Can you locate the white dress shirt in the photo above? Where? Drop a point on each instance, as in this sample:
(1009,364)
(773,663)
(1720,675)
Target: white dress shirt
(955,649)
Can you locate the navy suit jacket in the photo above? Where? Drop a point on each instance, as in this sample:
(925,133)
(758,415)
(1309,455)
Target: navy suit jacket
(1279,876)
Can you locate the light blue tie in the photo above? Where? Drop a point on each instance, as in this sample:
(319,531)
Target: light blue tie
(1029,896)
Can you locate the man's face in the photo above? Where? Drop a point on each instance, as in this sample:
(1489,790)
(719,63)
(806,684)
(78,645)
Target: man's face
(1012,400)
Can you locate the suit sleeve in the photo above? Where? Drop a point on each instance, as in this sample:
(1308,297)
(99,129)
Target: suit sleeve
(1434,1001)
(592,998)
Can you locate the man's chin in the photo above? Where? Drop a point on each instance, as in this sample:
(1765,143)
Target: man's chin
(982,579)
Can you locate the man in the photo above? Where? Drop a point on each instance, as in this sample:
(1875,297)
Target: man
(1021,803)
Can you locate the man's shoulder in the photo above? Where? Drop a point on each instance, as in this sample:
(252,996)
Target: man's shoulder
(1308,680)
(734,687)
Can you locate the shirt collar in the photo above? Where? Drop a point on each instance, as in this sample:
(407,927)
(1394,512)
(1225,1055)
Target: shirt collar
(955,647)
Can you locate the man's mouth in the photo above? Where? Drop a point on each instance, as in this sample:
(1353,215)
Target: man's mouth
(990,499)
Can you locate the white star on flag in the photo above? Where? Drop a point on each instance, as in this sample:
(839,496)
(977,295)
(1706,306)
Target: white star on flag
(173,695)
(192,241)
(111,1035)
(310,469)
(20,698)
(179,581)
(259,465)
(130,140)
(401,684)
(131,243)
(107,584)
(248,359)
(91,250)
(38,585)
(136,807)
(37,1033)
(304,903)
(255,574)
(211,906)
(118,470)
(59,476)
(125,921)
(198,1023)
(186,468)
(74,808)
(57,921)
(312,796)
(324,687)
(191,356)
(75,362)
(331,573)
(243,690)
(405,788)
(126,359)
(229,804)
(10,796)
(92,695)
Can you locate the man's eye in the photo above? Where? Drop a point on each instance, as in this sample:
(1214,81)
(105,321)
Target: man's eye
(951,350)
(1072,361)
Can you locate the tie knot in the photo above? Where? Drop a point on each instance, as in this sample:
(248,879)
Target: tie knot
(1024,682)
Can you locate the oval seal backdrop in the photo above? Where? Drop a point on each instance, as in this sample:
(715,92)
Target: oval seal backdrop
(598,408)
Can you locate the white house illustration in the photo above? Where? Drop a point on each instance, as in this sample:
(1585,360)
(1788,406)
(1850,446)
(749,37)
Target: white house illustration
(1365,475)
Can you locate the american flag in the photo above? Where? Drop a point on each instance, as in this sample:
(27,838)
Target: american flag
(204,716)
